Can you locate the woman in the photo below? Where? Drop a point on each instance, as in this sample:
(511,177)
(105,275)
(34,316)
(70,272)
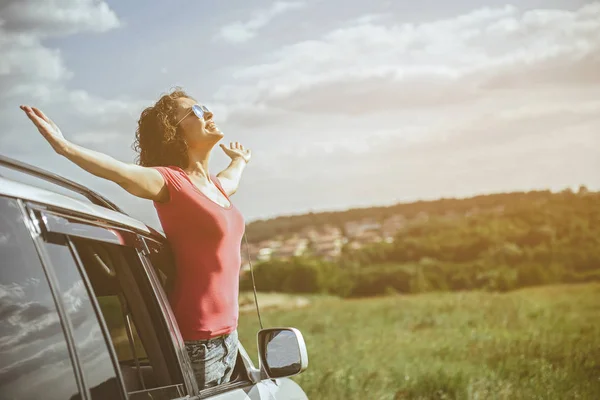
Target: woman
(174,139)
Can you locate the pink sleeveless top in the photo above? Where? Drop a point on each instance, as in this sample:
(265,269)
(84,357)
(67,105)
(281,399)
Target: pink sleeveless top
(206,241)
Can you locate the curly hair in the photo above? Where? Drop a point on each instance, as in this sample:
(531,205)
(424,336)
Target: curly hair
(156,138)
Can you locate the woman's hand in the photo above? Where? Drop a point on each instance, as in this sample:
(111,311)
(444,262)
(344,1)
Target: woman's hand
(236,150)
(47,128)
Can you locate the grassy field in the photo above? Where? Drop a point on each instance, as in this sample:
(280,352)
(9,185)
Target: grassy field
(538,343)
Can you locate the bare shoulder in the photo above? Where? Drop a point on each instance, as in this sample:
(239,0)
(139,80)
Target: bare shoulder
(145,182)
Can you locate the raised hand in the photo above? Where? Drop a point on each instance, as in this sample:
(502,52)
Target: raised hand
(47,128)
(236,150)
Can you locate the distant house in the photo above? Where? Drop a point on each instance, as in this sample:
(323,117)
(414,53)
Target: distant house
(328,247)
(264,254)
(290,248)
(256,253)
(358,228)
(369,237)
(327,240)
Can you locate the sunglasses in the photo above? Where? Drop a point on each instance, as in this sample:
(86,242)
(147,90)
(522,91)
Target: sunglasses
(197,109)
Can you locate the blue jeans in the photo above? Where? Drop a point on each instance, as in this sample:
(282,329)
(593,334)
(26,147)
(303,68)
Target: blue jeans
(213,360)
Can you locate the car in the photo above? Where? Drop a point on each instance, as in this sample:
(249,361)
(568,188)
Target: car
(83,304)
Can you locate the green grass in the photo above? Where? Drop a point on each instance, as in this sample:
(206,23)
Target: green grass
(539,343)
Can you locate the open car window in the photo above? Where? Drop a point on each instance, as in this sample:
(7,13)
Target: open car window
(115,276)
(163,263)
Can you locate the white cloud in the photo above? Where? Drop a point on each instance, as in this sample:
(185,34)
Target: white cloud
(33,73)
(240,32)
(89,105)
(431,63)
(10,293)
(57,17)
(94,139)
(29,69)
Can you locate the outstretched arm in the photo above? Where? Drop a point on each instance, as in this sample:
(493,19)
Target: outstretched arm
(140,181)
(230,177)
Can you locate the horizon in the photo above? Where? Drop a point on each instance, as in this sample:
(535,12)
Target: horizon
(427,200)
(573,188)
(360,106)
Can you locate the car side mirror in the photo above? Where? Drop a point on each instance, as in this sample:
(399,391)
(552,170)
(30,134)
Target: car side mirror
(282,352)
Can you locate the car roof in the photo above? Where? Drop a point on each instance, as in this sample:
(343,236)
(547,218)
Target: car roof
(24,191)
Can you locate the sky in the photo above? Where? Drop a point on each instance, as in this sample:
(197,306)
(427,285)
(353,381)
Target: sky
(344,103)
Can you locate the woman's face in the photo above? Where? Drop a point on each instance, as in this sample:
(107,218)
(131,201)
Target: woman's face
(197,131)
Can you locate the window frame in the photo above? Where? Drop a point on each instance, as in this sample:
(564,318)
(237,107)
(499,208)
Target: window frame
(162,301)
(43,219)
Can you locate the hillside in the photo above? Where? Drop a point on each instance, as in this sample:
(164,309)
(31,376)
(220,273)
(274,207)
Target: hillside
(283,225)
(496,242)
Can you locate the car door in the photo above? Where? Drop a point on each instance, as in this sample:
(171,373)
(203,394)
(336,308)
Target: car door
(160,264)
(91,340)
(109,256)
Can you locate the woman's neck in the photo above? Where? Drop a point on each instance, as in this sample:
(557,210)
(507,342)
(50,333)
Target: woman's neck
(198,164)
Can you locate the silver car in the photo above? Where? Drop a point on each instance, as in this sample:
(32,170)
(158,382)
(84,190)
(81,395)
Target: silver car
(83,309)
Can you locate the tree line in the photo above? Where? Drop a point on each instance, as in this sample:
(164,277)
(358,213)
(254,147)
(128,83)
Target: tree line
(514,240)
